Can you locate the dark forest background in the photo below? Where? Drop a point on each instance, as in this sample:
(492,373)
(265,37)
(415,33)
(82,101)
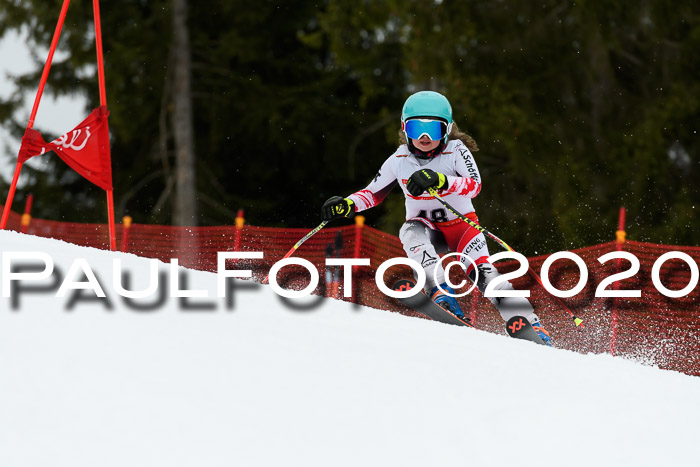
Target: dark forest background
(578,108)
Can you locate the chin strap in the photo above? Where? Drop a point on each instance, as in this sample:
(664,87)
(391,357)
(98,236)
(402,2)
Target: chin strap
(426,155)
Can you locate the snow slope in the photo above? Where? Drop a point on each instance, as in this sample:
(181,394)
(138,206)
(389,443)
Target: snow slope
(263,384)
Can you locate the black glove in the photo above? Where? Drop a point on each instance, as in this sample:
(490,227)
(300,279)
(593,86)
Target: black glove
(423,179)
(337,208)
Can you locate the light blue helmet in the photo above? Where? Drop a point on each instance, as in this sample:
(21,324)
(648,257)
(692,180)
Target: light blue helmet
(427,104)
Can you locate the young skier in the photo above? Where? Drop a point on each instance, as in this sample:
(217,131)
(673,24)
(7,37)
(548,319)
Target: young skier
(435,154)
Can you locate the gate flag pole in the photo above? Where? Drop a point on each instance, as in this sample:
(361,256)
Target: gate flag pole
(103,102)
(37,99)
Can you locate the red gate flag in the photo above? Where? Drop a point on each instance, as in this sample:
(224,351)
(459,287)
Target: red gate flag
(85,148)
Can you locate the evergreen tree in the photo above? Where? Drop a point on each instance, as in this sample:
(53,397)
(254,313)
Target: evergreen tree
(578,108)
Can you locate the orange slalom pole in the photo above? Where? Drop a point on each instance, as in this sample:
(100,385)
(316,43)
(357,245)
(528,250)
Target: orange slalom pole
(27,216)
(240,222)
(112,228)
(126,222)
(620,235)
(359,228)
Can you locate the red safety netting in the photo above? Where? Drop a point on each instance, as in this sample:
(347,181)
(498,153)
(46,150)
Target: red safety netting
(654,329)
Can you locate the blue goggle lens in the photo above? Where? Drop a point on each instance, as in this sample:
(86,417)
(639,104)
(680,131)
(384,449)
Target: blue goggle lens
(416,128)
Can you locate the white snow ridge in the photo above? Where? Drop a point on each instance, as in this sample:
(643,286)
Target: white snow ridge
(171,382)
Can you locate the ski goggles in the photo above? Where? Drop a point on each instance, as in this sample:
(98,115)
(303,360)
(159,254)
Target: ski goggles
(417,127)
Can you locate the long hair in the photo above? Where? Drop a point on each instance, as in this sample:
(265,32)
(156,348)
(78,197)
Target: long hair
(455,133)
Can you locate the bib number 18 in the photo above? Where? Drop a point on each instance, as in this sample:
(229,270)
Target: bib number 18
(436,215)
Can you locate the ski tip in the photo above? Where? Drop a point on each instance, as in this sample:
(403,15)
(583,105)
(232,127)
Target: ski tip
(520,328)
(467,322)
(403,285)
(578,322)
(515,324)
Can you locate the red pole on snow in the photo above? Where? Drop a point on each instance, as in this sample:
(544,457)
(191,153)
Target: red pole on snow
(620,236)
(35,108)
(103,101)
(10,196)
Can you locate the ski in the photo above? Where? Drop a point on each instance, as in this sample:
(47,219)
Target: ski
(421,303)
(520,328)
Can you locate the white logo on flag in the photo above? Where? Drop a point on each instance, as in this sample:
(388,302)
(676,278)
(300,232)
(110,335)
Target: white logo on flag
(74,137)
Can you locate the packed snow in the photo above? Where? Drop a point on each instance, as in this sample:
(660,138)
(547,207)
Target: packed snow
(166,381)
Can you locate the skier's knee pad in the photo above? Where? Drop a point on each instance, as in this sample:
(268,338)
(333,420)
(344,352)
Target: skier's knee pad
(415,233)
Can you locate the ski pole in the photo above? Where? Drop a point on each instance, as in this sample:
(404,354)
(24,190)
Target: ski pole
(298,244)
(578,321)
(469,221)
